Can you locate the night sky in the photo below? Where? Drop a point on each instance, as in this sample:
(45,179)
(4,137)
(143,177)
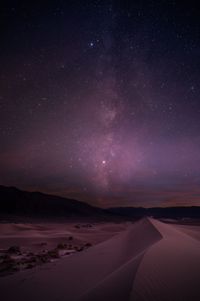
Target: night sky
(99,100)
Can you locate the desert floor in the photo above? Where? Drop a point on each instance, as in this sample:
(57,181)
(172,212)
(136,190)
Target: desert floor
(26,245)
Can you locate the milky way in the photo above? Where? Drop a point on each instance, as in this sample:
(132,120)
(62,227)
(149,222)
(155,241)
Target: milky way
(100,101)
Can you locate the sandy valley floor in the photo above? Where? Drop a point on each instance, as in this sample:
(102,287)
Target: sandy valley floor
(24,246)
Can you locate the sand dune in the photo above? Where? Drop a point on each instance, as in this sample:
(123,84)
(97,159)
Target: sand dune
(149,261)
(170,270)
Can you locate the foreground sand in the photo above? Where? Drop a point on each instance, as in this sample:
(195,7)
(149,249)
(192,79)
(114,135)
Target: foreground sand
(149,261)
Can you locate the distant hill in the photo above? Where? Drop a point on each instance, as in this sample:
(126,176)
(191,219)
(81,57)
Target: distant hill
(157,212)
(36,204)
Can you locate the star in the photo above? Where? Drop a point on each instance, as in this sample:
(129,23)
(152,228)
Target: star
(91,44)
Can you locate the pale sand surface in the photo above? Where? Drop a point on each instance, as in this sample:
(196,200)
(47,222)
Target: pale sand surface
(150,260)
(193,231)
